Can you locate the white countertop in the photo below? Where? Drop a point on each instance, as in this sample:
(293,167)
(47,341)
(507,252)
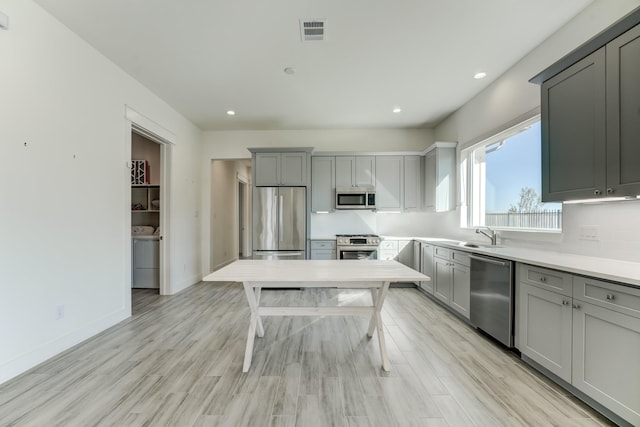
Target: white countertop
(626,272)
(315,271)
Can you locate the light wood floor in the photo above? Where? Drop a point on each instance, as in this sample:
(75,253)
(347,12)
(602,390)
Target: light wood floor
(178,362)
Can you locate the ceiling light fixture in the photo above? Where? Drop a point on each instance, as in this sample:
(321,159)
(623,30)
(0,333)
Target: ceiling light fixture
(231,113)
(397,110)
(480,75)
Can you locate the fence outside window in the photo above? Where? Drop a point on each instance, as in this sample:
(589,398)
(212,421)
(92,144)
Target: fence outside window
(548,220)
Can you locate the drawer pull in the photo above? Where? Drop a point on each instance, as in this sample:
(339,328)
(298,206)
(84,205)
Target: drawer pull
(576,306)
(565,302)
(610,297)
(543,279)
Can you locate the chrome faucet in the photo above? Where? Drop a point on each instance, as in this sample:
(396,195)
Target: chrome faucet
(490,234)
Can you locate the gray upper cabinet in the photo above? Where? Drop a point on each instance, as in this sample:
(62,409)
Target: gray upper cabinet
(267,169)
(323,183)
(281,169)
(412,183)
(623,114)
(573,131)
(355,171)
(389,183)
(440,178)
(590,104)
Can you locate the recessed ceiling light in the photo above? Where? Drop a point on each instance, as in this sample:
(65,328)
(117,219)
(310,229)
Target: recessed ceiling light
(290,70)
(397,110)
(231,113)
(480,75)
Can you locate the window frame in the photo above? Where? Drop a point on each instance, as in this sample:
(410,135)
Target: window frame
(472,191)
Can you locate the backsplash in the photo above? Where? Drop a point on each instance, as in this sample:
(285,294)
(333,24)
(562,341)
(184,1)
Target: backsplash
(617,225)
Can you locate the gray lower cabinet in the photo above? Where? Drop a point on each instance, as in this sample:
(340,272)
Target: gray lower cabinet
(405,253)
(323,249)
(323,183)
(400,250)
(417,261)
(452,279)
(606,345)
(586,332)
(427,266)
(545,329)
(388,250)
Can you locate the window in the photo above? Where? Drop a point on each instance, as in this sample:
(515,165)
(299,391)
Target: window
(502,180)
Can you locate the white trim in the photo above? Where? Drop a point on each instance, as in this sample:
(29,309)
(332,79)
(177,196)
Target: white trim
(473,200)
(28,360)
(148,128)
(504,128)
(138,123)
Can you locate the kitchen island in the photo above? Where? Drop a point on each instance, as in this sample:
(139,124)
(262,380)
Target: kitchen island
(346,274)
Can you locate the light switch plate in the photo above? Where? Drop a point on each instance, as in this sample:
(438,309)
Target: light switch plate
(4,21)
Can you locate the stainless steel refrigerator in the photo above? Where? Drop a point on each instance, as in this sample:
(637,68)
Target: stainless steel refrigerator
(279,222)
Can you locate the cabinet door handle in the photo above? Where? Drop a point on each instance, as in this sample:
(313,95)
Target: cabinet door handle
(610,297)
(565,302)
(576,306)
(597,192)
(609,190)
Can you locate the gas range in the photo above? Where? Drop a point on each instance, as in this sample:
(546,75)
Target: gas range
(357,240)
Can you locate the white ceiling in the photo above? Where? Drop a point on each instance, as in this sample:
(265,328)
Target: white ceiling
(204,57)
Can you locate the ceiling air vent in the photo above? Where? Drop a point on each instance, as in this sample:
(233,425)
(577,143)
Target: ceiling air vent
(313,29)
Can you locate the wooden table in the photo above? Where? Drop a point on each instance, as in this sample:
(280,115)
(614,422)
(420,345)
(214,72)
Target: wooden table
(352,274)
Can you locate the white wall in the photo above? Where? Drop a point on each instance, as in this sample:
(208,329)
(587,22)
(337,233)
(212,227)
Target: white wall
(511,96)
(234,144)
(64,215)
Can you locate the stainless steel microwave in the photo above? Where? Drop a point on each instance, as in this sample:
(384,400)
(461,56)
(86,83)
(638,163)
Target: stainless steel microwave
(355,198)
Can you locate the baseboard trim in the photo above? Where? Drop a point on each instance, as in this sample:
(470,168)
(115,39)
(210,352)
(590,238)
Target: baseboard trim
(42,353)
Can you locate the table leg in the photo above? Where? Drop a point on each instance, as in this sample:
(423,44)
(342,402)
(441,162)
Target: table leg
(260,325)
(248,351)
(386,366)
(372,323)
(254,322)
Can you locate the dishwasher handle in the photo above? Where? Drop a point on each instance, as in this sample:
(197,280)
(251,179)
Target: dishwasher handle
(490,260)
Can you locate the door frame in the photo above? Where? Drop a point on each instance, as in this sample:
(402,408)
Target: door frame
(136,122)
(244,221)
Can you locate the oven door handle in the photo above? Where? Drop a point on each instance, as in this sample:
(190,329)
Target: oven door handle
(490,260)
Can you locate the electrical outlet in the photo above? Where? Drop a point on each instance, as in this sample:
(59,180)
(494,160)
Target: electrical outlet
(589,232)
(59,312)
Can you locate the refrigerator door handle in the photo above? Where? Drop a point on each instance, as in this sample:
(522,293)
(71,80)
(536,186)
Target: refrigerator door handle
(280,220)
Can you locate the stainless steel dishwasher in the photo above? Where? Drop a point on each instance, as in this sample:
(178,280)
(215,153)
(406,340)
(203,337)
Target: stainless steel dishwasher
(492,297)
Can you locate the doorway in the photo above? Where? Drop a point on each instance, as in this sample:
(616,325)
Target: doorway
(243,219)
(146,213)
(230,215)
(138,124)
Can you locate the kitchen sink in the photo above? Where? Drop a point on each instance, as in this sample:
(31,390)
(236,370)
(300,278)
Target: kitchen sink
(477,245)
